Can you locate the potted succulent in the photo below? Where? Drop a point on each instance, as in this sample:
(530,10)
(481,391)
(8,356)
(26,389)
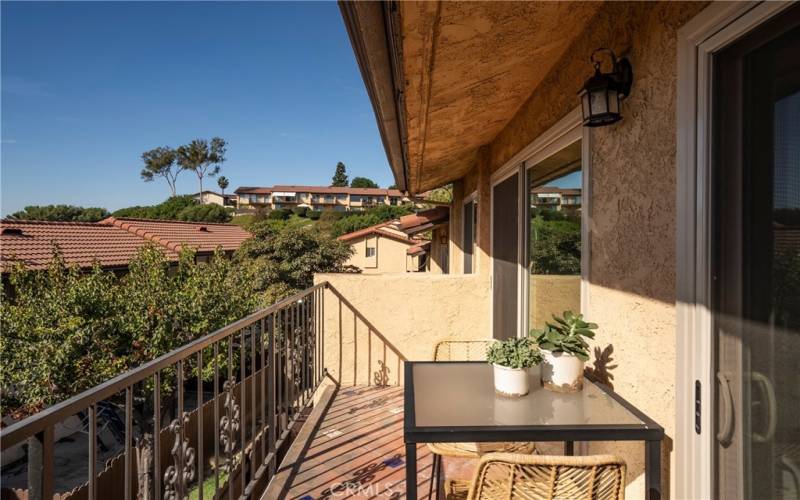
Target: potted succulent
(565,351)
(511,359)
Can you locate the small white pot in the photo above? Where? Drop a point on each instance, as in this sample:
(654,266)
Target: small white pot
(511,382)
(562,372)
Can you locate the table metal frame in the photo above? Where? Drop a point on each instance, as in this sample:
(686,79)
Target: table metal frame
(648,431)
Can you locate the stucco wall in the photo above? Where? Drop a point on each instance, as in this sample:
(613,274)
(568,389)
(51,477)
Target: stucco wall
(390,255)
(633,215)
(411,311)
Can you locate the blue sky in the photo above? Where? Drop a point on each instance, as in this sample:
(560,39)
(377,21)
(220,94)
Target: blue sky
(87,87)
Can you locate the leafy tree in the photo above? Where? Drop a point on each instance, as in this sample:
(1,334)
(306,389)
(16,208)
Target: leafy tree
(61,213)
(363,182)
(160,162)
(393,186)
(555,243)
(360,220)
(340,176)
(65,330)
(223,183)
(285,258)
(202,157)
(443,194)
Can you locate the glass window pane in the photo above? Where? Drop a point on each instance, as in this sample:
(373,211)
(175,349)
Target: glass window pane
(554,243)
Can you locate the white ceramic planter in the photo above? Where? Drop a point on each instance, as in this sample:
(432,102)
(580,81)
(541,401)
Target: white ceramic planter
(513,382)
(562,372)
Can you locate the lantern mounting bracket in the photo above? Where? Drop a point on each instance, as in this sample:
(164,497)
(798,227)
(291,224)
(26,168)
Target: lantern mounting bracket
(621,70)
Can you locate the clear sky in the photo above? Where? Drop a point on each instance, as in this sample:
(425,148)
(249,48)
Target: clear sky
(87,87)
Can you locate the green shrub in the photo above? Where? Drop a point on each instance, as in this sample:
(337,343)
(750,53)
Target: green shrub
(206,213)
(514,353)
(279,214)
(566,335)
(300,211)
(314,214)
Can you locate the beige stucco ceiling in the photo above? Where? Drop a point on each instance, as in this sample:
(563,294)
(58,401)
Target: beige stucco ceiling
(468,67)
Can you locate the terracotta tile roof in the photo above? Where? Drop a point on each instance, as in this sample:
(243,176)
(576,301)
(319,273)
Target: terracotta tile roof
(202,236)
(422,247)
(422,221)
(111,242)
(81,243)
(319,190)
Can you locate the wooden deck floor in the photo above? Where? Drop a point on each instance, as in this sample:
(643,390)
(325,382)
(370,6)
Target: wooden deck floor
(354,451)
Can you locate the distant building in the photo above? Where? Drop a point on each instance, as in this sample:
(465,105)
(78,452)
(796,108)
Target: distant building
(112,242)
(396,246)
(317,197)
(212,197)
(554,198)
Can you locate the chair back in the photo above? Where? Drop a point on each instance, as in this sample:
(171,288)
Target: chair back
(461,350)
(511,476)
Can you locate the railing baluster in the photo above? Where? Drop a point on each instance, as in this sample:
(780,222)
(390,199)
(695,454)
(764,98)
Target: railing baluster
(243,403)
(287,364)
(369,354)
(355,349)
(216,419)
(303,350)
(40,465)
(229,430)
(199,440)
(322,334)
(93,452)
(157,433)
(128,439)
(179,417)
(253,401)
(264,421)
(271,397)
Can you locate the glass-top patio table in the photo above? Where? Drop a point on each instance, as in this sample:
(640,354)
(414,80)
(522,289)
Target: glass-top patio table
(456,402)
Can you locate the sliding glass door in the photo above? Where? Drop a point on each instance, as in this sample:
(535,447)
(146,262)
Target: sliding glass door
(536,239)
(756,262)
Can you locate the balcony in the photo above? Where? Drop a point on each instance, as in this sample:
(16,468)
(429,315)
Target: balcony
(264,380)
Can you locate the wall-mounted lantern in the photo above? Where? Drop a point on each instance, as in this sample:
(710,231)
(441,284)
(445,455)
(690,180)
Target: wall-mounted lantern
(602,93)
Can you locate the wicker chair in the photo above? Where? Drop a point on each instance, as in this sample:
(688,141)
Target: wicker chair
(466,350)
(510,476)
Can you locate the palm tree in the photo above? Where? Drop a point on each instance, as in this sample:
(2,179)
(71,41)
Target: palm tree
(222,182)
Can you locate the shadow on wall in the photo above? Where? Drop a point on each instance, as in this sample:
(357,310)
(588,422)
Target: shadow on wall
(375,347)
(601,367)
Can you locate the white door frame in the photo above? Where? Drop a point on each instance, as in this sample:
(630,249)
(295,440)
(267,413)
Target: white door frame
(566,131)
(716,27)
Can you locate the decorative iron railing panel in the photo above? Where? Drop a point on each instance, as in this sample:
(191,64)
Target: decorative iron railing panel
(250,381)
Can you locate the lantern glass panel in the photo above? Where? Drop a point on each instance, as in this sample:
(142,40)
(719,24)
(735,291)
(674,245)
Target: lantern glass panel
(585,109)
(613,102)
(598,101)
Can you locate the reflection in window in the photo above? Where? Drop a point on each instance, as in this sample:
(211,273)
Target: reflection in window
(555,236)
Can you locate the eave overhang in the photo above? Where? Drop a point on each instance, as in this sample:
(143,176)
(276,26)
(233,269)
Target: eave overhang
(373,31)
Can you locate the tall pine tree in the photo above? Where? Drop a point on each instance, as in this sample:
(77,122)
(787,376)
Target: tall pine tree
(340,177)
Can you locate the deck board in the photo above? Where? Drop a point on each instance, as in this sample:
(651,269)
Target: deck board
(355,451)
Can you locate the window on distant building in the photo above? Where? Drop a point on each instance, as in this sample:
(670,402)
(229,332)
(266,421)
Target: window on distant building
(370,251)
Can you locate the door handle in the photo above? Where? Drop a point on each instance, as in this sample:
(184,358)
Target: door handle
(726,432)
(772,407)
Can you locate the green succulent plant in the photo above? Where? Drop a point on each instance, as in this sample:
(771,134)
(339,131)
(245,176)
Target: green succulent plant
(514,353)
(566,335)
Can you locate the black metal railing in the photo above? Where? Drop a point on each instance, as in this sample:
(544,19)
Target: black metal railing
(250,383)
